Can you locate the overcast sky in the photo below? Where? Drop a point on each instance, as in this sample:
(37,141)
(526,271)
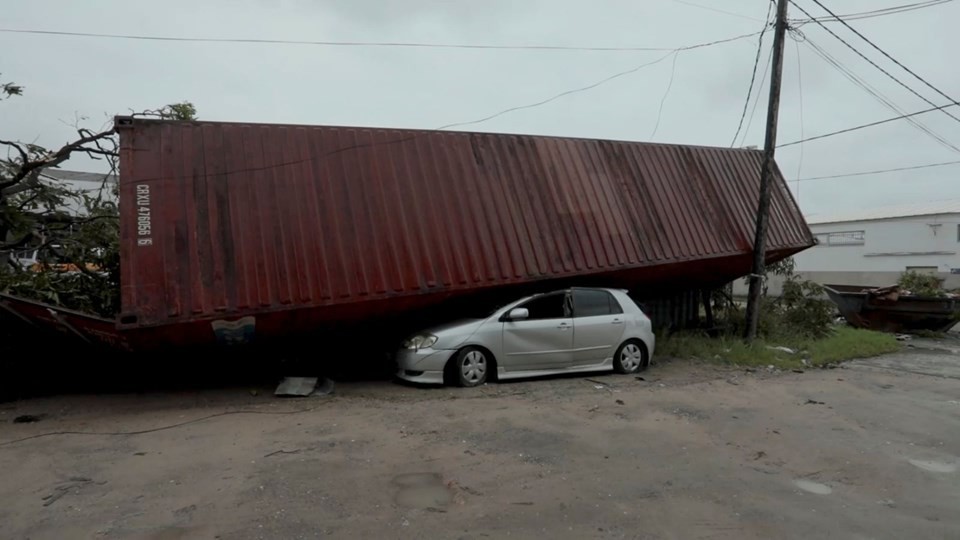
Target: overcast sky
(66,77)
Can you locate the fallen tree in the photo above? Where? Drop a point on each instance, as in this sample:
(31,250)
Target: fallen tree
(72,235)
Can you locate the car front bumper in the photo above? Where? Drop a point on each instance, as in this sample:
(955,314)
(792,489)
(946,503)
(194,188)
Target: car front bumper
(424,366)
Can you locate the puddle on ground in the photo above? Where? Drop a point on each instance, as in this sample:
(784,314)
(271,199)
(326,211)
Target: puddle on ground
(934,466)
(422,490)
(813,487)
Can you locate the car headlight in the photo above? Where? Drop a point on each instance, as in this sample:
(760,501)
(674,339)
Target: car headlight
(421,341)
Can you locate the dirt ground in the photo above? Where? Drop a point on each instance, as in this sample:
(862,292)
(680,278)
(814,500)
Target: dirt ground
(869,450)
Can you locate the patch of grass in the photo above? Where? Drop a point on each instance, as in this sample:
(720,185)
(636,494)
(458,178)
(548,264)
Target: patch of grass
(847,343)
(842,343)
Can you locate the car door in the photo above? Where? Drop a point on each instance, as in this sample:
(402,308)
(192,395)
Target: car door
(543,340)
(598,326)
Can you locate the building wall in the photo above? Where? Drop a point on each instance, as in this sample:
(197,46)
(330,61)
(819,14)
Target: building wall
(875,253)
(889,245)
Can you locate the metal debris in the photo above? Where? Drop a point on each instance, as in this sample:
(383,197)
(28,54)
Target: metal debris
(304,387)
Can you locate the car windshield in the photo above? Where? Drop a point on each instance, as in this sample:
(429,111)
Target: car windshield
(490,313)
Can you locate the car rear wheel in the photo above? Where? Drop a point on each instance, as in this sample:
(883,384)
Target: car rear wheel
(471,366)
(631,357)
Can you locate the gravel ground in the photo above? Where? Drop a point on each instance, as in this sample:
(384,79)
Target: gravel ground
(870,450)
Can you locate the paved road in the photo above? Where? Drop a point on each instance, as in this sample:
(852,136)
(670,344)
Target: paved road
(866,451)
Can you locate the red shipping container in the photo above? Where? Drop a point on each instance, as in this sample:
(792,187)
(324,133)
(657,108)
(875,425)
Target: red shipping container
(232,230)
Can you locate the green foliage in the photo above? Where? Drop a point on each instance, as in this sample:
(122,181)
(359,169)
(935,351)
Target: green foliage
(921,284)
(803,309)
(784,267)
(179,111)
(78,251)
(9,89)
(846,343)
(80,262)
(801,319)
(842,343)
(800,312)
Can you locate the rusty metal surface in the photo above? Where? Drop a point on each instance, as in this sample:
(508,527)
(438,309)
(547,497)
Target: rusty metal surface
(889,313)
(226,220)
(75,327)
(673,311)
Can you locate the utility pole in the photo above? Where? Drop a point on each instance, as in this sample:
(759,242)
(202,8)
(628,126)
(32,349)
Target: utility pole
(766,175)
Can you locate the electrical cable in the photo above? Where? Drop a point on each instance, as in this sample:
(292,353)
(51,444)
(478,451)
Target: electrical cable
(884,53)
(871,14)
(753,76)
(759,98)
(876,94)
(715,10)
(874,64)
(862,126)
(865,173)
(153,430)
(858,81)
(422,132)
(663,100)
(800,94)
(548,100)
(336,43)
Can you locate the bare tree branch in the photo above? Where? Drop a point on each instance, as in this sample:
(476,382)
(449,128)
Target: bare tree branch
(23,204)
(29,170)
(16,145)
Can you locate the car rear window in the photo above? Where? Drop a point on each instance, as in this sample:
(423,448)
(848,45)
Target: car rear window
(591,303)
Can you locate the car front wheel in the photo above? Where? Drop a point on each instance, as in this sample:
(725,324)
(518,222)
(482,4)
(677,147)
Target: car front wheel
(471,367)
(630,358)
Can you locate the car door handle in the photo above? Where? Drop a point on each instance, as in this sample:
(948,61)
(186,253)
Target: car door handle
(564,326)
(617,321)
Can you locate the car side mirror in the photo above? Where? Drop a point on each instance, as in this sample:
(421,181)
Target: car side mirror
(518,314)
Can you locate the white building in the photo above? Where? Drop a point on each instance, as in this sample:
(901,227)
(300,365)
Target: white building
(873,247)
(80,183)
(87,183)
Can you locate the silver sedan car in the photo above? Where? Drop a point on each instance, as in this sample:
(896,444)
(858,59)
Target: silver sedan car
(568,331)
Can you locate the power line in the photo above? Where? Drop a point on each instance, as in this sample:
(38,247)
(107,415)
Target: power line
(881,51)
(715,10)
(756,102)
(663,100)
(800,99)
(556,96)
(858,81)
(336,43)
(874,64)
(753,76)
(874,13)
(865,173)
(876,94)
(871,124)
(421,133)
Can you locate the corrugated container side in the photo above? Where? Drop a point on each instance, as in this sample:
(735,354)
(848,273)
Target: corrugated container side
(222,220)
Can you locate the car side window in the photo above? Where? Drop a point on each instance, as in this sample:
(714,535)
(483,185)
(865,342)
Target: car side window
(590,303)
(551,306)
(615,307)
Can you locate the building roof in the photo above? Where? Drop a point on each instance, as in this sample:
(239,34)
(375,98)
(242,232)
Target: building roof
(87,183)
(77,176)
(949,206)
